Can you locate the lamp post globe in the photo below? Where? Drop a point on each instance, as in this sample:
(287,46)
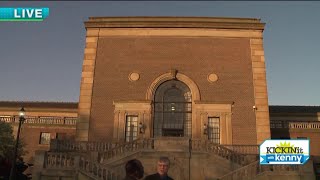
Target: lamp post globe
(22,112)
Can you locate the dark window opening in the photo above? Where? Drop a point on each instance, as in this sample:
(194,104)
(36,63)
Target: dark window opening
(214,129)
(131,131)
(44,138)
(172,110)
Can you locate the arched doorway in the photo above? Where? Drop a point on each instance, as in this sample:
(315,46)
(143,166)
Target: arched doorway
(172,110)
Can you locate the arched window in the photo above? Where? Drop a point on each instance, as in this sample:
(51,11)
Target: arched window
(172,110)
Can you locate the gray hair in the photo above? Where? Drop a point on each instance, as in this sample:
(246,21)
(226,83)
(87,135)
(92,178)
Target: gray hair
(164,160)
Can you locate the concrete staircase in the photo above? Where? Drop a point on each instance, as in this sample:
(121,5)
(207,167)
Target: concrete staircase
(206,161)
(255,171)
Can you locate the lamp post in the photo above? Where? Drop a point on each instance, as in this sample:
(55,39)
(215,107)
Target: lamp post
(13,166)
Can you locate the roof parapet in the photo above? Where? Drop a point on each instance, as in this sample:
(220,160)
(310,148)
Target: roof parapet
(175,22)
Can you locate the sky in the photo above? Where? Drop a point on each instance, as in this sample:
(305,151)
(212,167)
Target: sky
(42,61)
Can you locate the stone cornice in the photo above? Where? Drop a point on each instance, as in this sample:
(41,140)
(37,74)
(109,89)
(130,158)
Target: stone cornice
(37,109)
(38,104)
(175,22)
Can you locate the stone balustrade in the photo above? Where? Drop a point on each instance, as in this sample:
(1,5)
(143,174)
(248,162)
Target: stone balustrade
(80,146)
(59,160)
(111,150)
(70,161)
(42,120)
(274,124)
(251,170)
(128,147)
(97,171)
(226,151)
(243,149)
(304,125)
(198,145)
(8,119)
(91,168)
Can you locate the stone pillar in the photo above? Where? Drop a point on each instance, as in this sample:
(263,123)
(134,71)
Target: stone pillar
(223,129)
(121,127)
(86,86)
(228,129)
(149,125)
(261,106)
(116,125)
(39,162)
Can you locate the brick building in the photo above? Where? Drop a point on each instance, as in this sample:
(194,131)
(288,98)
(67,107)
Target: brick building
(44,121)
(193,89)
(296,122)
(222,68)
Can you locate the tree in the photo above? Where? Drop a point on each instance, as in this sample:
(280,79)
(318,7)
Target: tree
(7,142)
(7,145)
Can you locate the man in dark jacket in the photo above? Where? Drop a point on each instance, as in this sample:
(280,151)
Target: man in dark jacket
(162,170)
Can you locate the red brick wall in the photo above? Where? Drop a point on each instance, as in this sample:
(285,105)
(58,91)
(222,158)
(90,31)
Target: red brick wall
(313,135)
(30,134)
(314,140)
(154,56)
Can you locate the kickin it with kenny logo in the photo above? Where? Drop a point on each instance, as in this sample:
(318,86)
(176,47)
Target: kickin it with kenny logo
(284,151)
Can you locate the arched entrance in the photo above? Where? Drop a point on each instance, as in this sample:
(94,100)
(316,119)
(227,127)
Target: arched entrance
(172,110)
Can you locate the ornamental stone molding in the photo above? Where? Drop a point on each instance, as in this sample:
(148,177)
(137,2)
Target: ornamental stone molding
(173,74)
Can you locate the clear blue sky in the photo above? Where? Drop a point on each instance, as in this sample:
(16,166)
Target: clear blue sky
(42,61)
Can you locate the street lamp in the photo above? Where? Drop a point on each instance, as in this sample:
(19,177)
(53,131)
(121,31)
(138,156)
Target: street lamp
(13,166)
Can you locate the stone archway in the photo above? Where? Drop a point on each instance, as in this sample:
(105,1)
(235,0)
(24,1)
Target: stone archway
(172,110)
(174,75)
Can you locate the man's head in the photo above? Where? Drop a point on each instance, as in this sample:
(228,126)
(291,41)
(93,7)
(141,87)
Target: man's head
(163,166)
(134,168)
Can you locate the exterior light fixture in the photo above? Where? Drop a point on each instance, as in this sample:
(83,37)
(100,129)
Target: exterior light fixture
(141,128)
(205,129)
(22,113)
